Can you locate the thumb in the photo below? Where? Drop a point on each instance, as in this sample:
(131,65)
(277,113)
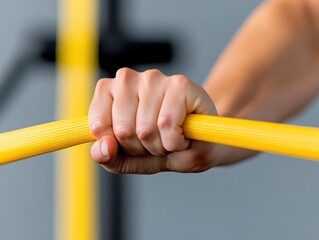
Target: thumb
(104,150)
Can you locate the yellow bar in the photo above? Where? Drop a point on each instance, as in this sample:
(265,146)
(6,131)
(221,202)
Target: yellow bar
(296,141)
(49,137)
(277,138)
(76,183)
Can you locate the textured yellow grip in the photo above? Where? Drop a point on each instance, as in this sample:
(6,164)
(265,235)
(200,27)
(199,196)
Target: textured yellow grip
(255,135)
(291,140)
(32,141)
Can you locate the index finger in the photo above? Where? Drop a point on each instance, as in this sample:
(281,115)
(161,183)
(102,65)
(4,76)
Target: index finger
(100,112)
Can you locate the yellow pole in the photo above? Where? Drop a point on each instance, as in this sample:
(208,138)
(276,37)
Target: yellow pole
(76,184)
(277,138)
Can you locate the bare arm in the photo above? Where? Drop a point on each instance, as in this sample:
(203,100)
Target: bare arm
(270,70)
(276,50)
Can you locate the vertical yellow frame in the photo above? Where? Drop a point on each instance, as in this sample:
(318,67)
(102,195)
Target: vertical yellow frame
(76,177)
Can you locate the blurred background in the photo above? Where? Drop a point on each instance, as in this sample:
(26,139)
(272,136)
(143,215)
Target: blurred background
(269,197)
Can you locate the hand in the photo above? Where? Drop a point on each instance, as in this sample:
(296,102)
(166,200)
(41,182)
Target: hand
(137,119)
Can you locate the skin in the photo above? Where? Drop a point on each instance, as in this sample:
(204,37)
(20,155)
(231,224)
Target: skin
(144,113)
(269,71)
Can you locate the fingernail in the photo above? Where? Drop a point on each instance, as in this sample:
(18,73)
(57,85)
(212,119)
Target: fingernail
(104,149)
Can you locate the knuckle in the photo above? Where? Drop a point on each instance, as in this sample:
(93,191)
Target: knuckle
(123,73)
(98,127)
(152,73)
(150,79)
(123,132)
(173,140)
(101,86)
(124,78)
(144,132)
(164,121)
(180,82)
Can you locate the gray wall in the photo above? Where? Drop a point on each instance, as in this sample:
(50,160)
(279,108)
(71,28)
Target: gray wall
(269,197)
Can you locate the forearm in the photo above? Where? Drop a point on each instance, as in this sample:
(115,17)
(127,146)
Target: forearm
(270,70)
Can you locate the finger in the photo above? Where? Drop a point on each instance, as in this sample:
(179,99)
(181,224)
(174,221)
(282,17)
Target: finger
(104,150)
(170,122)
(193,99)
(100,112)
(148,111)
(124,112)
(198,101)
